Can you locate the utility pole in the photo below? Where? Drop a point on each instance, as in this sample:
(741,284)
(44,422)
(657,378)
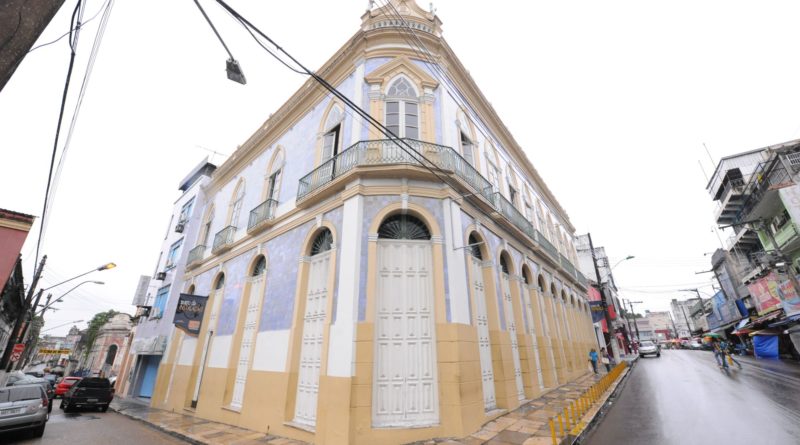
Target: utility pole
(612,340)
(635,324)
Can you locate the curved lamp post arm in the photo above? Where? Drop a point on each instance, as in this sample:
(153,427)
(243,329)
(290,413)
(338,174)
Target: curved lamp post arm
(65,294)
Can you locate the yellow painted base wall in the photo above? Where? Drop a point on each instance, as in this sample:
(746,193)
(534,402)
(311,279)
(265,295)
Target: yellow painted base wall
(344,413)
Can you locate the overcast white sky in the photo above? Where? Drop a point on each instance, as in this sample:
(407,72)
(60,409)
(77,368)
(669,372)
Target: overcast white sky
(612,101)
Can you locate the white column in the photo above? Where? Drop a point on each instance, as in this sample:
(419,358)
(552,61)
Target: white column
(341,349)
(456,263)
(358,96)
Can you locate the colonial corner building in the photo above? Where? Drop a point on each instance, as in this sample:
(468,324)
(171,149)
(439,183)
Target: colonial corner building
(364,290)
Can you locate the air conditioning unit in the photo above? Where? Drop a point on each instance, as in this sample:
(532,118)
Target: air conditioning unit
(180,226)
(161,276)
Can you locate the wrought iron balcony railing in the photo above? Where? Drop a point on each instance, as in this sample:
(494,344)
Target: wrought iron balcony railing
(223,239)
(262,214)
(388,152)
(196,255)
(439,157)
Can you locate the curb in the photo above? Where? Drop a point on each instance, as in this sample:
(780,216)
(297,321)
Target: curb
(603,409)
(159,427)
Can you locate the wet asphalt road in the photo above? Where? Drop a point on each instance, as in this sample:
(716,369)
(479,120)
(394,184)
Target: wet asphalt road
(683,398)
(90,428)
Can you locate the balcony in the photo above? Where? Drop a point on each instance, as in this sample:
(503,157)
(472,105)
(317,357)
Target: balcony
(443,161)
(195,256)
(385,152)
(261,216)
(762,197)
(223,240)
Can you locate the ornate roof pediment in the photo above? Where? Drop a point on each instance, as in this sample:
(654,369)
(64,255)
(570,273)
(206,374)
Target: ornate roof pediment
(401,65)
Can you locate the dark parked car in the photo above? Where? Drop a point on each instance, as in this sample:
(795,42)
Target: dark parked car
(90,392)
(23,408)
(44,383)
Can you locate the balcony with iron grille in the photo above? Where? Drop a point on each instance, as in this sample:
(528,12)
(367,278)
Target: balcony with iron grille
(223,240)
(262,216)
(195,256)
(424,160)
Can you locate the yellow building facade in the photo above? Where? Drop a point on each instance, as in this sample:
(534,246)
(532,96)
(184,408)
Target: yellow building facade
(380,290)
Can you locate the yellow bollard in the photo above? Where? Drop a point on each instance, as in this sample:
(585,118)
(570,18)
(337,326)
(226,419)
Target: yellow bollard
(561,424)
(572,413)
(566,416)
(553,432)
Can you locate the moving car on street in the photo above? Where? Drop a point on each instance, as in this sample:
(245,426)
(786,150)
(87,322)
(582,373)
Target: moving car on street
(89,392)
(649,348)
(65,384)
(24,407)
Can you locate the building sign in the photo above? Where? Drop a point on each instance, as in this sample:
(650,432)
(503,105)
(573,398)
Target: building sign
(16,353)
(54,351)
(189,313)
(764,292)
(596,308)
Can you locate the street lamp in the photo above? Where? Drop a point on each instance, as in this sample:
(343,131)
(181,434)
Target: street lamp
(97,269)
(629,257)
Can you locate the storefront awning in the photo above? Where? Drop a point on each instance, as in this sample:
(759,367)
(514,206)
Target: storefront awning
(785,321)
(771,316)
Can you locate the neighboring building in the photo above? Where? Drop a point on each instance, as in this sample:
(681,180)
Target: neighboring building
(156,297)
(49,343)
(372,296)
(662,325)
(759,197)
(14,228)
(587,267)
(104,358)
(12,303)
(645,330)
(682,315)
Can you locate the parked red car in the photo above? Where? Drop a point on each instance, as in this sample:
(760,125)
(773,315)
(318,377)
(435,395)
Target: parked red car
(65,384)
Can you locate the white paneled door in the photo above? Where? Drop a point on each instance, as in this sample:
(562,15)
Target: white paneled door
(405,377)
(512,332)
(526,300)
(248,338)
(484,343)
(311,350)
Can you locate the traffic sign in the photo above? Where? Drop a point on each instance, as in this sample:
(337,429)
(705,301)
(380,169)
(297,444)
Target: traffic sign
(16,353)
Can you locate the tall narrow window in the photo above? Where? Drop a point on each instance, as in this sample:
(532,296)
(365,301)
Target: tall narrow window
(466,149)
(172,257)
(207,227)
(330,143)
(160,303)
(512,194)
(238,199)
(402,110)
(273,181)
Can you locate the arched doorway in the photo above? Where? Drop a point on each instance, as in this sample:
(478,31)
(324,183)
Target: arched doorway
(254,297)
(314,315)
(405,389)
(216,300)
(527,300)
(481,321)
(511,323)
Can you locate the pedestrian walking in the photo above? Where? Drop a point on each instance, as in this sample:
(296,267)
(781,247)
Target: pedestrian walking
(593,359)
(605,359)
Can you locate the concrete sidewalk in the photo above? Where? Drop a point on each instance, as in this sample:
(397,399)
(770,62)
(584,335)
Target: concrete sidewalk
(526,425)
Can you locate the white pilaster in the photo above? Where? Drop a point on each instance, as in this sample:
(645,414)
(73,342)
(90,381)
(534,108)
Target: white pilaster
(358,96)
(456,263)
(341,348)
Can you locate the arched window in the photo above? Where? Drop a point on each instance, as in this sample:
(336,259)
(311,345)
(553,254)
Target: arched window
(260,267)
(540,283)
(404,227)
(236,204)
(474,247)
(274,175)
(322,243)
(220,283)
(402,109)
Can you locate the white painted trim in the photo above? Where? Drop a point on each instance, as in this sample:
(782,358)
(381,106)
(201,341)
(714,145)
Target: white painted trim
(186,353)
(341,346)
(456,264)
(220,351)
(272,348)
